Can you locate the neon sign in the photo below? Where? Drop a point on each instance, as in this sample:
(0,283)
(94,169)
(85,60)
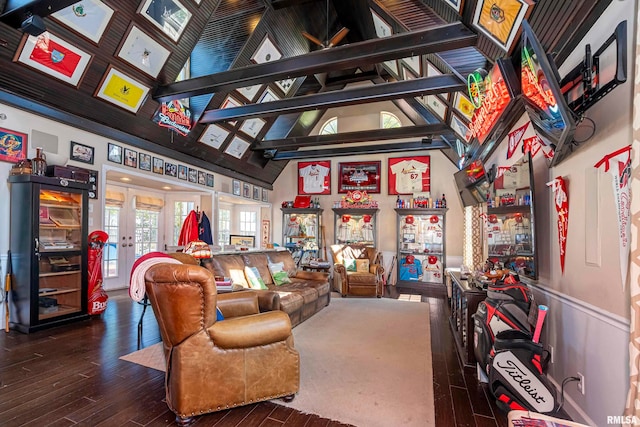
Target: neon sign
(475,86)
(174,115)
(495,99)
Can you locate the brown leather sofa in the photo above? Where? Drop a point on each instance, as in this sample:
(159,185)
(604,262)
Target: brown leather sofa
(359,282)
(308,292)
(215,365)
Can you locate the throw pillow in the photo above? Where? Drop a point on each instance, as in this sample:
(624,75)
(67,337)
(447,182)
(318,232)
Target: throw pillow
(254,278)
(362,265)
(349,264)
(280,277)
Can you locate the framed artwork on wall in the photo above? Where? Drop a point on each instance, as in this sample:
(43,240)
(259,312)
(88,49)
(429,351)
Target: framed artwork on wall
(158,165)
(408,175)
(144,162)
(89,18)
(13,146)
(81,153)
(237,240)
(237,147)
(122,90)
(53,56)
(202,178)
(363,176)
(171,169)
(130,158)
(143,52)
(463,105)
(182,172)
(455,4)
(214,136)
(246,190)
(193,175)
(170,16)
(114,153)
(266,52)
(210,180)
(459,127)
(314,177)
(235,187)
(500,20)
(256,193)
(265,195)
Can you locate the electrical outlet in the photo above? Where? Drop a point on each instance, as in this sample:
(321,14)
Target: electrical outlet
(551,354)
(581,383)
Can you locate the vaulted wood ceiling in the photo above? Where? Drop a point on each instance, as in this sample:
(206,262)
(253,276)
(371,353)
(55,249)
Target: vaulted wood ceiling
(221,41)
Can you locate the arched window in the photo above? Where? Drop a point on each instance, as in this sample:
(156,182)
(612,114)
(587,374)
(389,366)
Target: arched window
(389,120)
(329,127)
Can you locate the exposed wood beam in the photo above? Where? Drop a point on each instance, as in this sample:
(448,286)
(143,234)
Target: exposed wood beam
(436,39)
(357,136)
(361,149)
(445,83)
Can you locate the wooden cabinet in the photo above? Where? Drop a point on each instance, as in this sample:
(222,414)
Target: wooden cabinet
(464,302)
(302,234)
(48,251)
(355,226)
(421,247)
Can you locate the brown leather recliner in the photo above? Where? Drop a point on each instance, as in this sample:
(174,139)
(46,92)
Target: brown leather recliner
(214,365)
(364,278)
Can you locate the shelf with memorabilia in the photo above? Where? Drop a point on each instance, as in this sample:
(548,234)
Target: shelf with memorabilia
(355,226)
(421,246)
(49,223)
(302,234)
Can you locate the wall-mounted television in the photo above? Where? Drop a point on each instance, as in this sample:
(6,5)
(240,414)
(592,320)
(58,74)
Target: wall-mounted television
(472,183)
(545,104)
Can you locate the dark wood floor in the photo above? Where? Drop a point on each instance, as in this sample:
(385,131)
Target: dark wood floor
(71,375)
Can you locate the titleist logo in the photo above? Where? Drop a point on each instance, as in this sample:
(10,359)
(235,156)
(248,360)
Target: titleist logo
(521,378)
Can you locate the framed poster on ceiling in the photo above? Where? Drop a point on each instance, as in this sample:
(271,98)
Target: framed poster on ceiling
(170,16)
(500,20)
(122,90)
(408,175)
(88,18)
(314,177)
(363,176)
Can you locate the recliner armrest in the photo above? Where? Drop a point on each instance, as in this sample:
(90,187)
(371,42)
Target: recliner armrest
(242,303)
(251,331)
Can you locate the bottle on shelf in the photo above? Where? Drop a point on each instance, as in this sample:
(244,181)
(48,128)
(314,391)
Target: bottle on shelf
(39,163)
(443,202)
(398,202)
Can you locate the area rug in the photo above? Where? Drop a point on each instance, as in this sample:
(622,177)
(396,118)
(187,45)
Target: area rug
(365,362)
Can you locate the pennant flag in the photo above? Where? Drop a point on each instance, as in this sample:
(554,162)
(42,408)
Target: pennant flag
(561,200)
(532,145)
(514,139)
(501,170)
(55,56)
(618,164)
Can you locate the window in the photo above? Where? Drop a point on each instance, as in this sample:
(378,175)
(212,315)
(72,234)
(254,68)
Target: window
(389,120)
(110,250)
(146,231)
(224,226)
(248,223)
(181,210)
(329,127)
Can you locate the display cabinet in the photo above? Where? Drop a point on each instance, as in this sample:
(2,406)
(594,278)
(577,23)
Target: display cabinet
(465,298)
(302,234)
(421,246)
(48,251)
(355,226)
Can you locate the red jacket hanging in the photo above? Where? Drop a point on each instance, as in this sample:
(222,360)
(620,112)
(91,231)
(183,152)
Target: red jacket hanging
(189,231)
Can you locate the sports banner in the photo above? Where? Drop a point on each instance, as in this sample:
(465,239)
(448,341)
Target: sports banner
(618,164)
(561,200)
(514,139)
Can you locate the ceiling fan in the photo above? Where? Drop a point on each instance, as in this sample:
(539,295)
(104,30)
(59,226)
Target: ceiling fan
(337,38)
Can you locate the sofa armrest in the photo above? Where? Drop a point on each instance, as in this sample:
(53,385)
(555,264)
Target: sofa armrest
(312,275)
(376,269)
(251,331)
(268,300)
(242,303)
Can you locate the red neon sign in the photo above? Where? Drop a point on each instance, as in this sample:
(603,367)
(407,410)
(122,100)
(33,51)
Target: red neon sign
(496,99)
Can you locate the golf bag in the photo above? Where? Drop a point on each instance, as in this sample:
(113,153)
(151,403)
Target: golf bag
(516,374)
(508,306)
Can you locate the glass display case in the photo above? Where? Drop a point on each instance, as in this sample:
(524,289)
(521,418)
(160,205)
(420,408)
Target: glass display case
(302,234)
(48,251)
(421,246)
(355,226)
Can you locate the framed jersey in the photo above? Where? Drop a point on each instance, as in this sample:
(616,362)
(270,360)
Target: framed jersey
(409,175)
(314,177)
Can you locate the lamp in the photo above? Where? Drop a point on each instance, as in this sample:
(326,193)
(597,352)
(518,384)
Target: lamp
(198,249)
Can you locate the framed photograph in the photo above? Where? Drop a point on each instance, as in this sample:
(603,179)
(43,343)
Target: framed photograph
(463,105)
(408,175)
(250,92)
(237,147)
(114,153)
(267,96)
(202,178)
(193,175)
(93,181)
(314,177)
(170,16)
(236,240)
(214,136)
(13,146)
(89,18)
(210,180)
(383,29)
(266,232)
(158,165)
(130,158)
(235,187)
(266,52)
(144,162)
(435,104)
(171,169)
(256,193)
(81,153)
(246,190)
(182,172)
(455,4)
(51,55)
(459,126)
(363,176)
(500,20)
(413,63)
(143,52)
(253,126)
(122,90)
(265,195)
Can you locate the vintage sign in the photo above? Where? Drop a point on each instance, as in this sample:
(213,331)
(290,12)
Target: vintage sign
(561,201)
(174,115)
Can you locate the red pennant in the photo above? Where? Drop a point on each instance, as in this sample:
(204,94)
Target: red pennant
(561,201)
(514,139)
